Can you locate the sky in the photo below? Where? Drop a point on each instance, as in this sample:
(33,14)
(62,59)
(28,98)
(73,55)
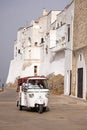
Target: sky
(15,14)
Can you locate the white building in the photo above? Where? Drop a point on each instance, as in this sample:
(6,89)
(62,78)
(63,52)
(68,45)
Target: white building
(69,48)
(49,40)
(57,47)
(42,47)
(26,53)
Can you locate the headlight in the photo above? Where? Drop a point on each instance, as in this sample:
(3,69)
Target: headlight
(31,95)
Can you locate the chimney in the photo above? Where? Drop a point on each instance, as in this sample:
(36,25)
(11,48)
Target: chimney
(44,11)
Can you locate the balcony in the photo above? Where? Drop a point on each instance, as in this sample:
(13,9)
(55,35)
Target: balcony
(60,42)
(60,46)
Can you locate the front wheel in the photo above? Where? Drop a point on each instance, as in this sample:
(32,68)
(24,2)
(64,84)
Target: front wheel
(40,108)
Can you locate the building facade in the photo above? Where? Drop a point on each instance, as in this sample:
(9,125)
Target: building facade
(55,43)
(76,52)
(79,58)
(40,47)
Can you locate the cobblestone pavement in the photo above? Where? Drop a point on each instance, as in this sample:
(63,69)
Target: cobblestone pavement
(64,113)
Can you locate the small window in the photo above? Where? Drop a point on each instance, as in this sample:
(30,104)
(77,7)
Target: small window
(35,70)
(36,43)
(42,40)
(61,23)
(80,57)
(19,51)
(68,32)
(29,39)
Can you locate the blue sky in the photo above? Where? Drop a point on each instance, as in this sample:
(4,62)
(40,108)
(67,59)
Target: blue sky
(15,14)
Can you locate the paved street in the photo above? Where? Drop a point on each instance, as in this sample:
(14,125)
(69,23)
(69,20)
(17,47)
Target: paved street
(64,113)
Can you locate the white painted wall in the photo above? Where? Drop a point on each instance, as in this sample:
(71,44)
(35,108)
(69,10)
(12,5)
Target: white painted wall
(69,48)
(15,69)
(23,63)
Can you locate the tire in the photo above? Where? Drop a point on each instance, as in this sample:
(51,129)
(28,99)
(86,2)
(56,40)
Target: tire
(20,107)
(17,103)
(40,108)
(44,109)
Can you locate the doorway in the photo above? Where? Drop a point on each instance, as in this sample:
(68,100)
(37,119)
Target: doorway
(80,83)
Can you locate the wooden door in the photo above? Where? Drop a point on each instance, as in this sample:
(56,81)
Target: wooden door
(80,83)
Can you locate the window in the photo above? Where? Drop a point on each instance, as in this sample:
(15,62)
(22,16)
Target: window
(29,39)
(80,57)
(35,70)
(42,40)
(36,43)
(19,51)
(68,32)
(61,23)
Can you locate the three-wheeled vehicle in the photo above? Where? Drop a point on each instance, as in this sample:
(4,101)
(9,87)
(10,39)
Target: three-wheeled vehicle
(33,92)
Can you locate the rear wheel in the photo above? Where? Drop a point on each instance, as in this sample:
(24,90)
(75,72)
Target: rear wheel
(40,108)
(20,107)
(44,109)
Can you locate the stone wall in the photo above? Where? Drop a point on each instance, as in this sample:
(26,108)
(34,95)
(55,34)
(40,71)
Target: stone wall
(80,24)
(56,83)
(79,36)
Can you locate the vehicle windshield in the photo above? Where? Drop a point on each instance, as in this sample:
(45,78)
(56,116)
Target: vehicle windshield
(37,84)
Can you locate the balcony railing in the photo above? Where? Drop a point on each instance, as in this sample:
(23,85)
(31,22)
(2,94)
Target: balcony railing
(60,46)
